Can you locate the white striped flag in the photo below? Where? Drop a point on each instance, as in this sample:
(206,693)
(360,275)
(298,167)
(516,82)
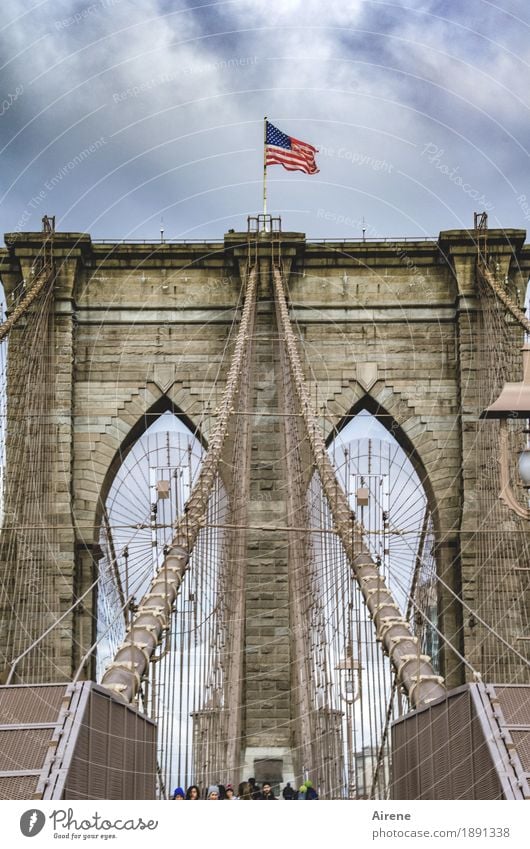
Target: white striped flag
(293,154)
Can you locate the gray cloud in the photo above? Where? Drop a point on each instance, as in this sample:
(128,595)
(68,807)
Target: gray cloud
(178,92)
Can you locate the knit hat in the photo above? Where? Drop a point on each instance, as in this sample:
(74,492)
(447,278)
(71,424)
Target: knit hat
(213,788)
(303,789)
(308,783)
(179,792)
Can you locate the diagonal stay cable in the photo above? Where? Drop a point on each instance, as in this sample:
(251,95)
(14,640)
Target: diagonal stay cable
(414,670)
(124,675)
(487,275)
(44,276)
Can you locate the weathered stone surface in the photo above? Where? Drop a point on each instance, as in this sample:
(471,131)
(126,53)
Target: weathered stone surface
(142,328)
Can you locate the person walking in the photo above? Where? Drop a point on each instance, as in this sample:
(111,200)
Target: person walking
(254,788)
(288,792)
(266,792)
(243,791)
(311,793)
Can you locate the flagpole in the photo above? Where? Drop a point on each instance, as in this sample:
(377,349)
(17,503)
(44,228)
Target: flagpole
(264,168)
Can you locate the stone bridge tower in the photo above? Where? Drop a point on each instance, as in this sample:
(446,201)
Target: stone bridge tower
(139,328)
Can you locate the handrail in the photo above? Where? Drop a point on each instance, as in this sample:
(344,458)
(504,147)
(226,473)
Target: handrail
(371,239)
(14,663)
(158,242)
(309,239)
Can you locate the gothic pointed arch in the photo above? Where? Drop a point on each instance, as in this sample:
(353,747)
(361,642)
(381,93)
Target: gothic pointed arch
(145,490)
(373,406)
(389,490)
(162,405)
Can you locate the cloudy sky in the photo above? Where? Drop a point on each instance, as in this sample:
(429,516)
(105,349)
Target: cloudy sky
(116,114)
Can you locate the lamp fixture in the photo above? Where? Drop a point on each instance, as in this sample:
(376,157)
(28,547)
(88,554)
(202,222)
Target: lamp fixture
(513,403)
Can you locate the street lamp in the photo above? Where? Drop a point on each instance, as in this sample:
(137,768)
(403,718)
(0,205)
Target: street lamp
(350,679)
(513,403)
(349,670)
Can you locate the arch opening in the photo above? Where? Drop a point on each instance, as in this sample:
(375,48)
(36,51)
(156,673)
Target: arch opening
(391,501)
(185,690)
(146,495)
(354,683)
(379,416)
(148,422)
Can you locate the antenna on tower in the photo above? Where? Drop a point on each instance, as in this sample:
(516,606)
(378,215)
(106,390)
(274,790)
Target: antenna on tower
(364,230)
(162,230)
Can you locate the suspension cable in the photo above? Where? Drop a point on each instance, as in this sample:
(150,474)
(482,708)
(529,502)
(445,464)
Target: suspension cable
(124,675)
(43,277)
(414,671)
(487,275)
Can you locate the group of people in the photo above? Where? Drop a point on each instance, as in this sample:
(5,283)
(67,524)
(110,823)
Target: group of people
(248,790)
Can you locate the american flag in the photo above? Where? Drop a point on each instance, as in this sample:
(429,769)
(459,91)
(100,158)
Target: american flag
(293,154)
